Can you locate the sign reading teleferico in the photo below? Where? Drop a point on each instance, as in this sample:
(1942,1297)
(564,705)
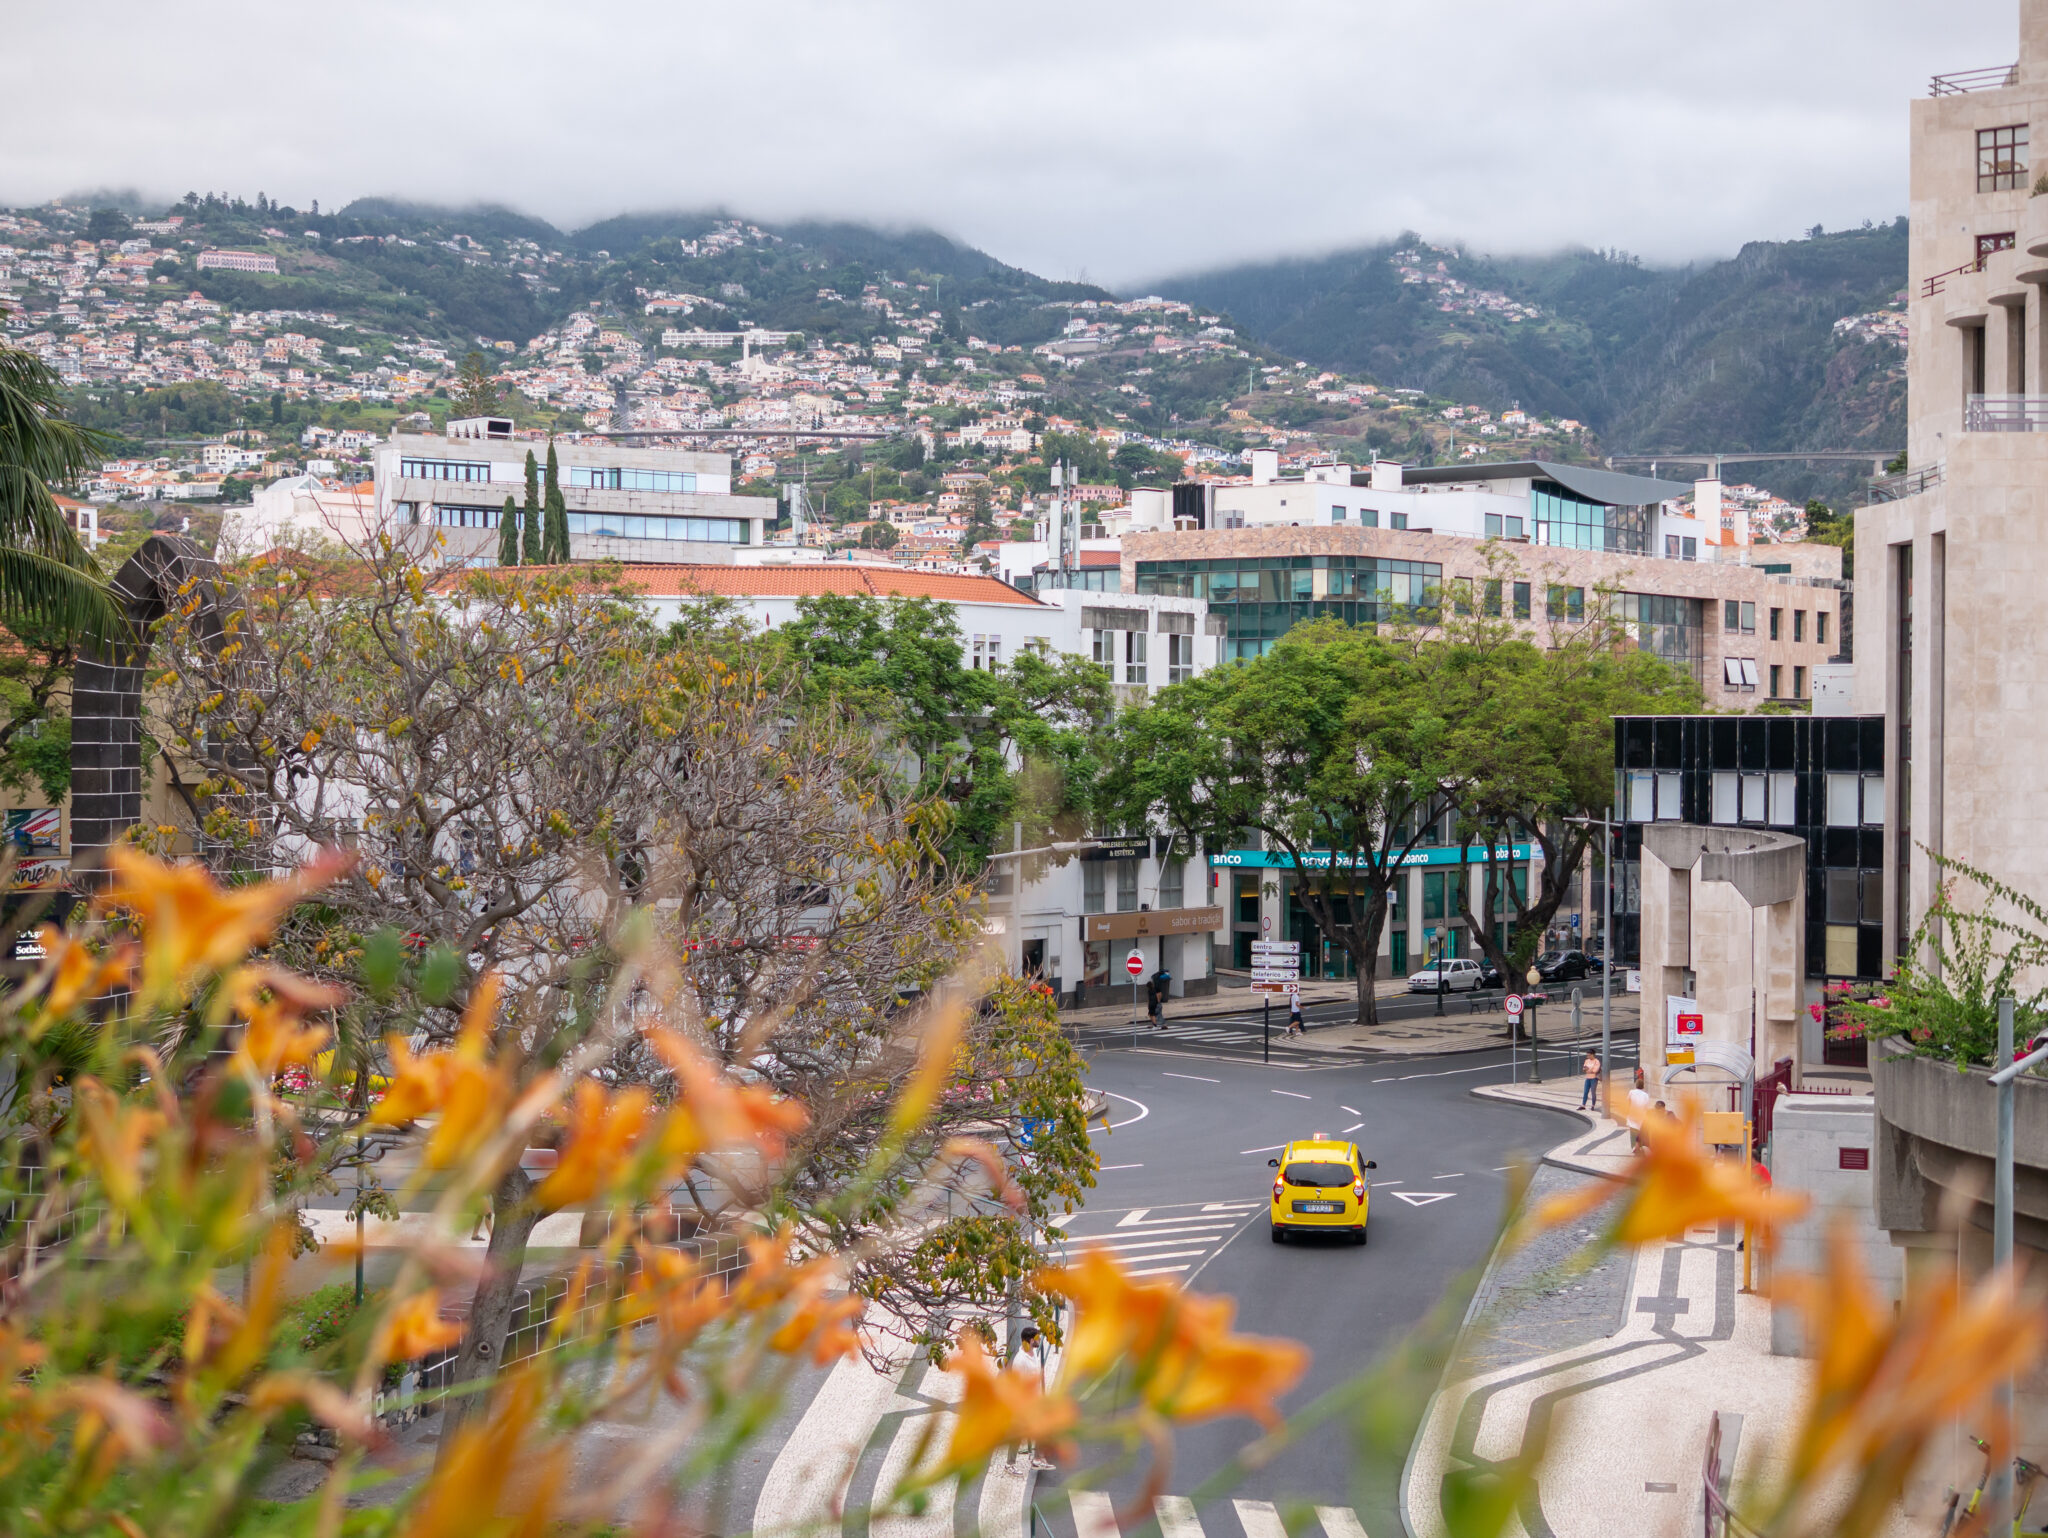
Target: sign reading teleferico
(1160,921)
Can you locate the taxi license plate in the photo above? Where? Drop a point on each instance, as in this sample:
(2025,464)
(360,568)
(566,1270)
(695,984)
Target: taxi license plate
(1318,1206)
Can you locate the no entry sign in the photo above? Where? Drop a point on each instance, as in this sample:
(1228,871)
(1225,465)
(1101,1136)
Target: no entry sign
(1135,963)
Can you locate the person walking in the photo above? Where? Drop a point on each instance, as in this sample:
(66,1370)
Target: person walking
(1589,1071)
(1294,1014)
(1155,998)
(1639,1108)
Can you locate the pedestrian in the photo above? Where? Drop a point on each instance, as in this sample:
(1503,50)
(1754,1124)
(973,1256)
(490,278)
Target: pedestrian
(1155,998)
(1589,1092)
(1294,1014)
(1638,1111)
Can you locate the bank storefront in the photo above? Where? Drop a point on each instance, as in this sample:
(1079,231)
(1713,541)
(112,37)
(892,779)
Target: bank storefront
(1262,895)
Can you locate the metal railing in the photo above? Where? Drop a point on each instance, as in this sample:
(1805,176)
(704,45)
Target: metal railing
(2005,414)
(1934,284)
(1908,483)
(1995,78)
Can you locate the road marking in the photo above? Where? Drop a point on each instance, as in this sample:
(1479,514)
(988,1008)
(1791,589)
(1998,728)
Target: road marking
(1261,1519)
(1135,1215)
(1340,1522)
(1104,1168)
(1094,1514)
(1454,1175)
(1144,1110)
(1291,1095)
(1354,1110)
(1195,1076)
(1352,1128)
(1158,1271)
(1423,1198)
(1123,1249)
(1177,1517)
(1269,1148)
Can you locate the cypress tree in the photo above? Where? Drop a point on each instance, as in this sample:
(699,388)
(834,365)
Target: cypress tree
(508,535)
(555,534)
(532,531)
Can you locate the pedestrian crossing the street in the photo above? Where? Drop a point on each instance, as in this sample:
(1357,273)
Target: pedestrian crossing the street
(1094,1515)
(1154,1241)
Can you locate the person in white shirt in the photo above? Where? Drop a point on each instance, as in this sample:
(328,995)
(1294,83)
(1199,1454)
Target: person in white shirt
(1639,1104)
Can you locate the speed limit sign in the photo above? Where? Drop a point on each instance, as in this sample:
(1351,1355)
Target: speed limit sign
(1513,1005)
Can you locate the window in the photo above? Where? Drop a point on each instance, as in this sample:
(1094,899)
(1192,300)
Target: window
(1368,517)
(1642,797)
(1521,600)
(714,531)
(1336,514)
(1105,648)
(1499,526)
(1667,797)
(1397,520)
(1753,790)
(1855,800)
(1461,595)
(613,478)
(1739,673)
(995,652)
(1777,680)
(2000,152)
(1784,800)
(1873,801)
(1180,658)
(1798,683)
(1689,548)
(1091,886)
(1562,603)
(1798,624)
(1127,886)
(1172,892)
(1855,897)
(978,641)
(1820,626)
(1670,547)
(1134,656)
(1777,624)
(1989,245)
(1738,618)
(1492,604)
(452,517)
(1493,525)
(444,469)
(1514,527)
(1725,793)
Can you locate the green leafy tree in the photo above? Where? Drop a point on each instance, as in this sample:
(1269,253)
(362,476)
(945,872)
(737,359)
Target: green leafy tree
(879,535)
(980,519)
(554,533)
(475,393)
(508,535)
(531,536)
(47,577)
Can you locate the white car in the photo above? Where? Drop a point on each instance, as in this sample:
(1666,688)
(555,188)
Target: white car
(1457,975)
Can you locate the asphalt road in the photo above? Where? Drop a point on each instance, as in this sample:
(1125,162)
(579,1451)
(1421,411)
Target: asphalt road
(1183,1190)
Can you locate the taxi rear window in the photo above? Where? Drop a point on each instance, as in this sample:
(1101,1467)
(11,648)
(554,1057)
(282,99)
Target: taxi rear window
(1317,1172)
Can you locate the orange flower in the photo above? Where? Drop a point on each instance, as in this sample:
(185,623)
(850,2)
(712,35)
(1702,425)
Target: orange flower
(936,1048)
(602,1131)
(414,1329)
(1890,1381)
(491,1471)
(1678,1184)
(117,1134)
(824,1323)
(712,1112)
(470,1091)
(669,1289)
(193,924)
(71,974)
(1187,1363)
(275,1003)
(1001,1408)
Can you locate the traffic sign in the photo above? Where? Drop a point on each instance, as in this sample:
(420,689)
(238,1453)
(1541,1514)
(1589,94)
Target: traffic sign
(1289,987)
(1512,1004)
(1276,974)
(1276,947)
(1135,962)
(1266,925)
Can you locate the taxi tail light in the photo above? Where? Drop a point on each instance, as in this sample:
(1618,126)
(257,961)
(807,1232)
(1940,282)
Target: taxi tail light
(1276,1190)
(1358,1189)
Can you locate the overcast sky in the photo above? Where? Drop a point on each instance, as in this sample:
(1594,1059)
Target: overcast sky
(1120,139)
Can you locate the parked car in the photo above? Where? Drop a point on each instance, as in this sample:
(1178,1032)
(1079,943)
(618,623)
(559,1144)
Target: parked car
(1566,966)
(1457,975)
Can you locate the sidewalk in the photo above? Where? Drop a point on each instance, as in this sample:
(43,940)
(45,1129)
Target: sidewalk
(1623,1364)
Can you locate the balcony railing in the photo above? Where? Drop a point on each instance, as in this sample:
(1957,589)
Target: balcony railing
(2005,414)
(1910,483)
(1974,80)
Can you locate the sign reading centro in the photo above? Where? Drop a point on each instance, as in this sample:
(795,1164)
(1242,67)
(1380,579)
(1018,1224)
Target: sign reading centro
(1319,859)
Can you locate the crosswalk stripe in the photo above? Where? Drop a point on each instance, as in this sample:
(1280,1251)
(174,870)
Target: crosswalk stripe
(1158,1271)
(1261,1519)
(926,1433)
(1340,1522)
(804,1485)
(1147,1249)
(1177,1517)
(1094,1514)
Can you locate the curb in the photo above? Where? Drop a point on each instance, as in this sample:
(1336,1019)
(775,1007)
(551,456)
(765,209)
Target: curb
(1493,1261)
(1554,1156)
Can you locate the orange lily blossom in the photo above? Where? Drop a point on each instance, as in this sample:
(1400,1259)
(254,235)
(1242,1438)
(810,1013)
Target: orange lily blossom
(712,1112)
(941,1037)
(1189,1366)
(470,1091)
(603,1128)
(1890,1382)
(669,1288)
(414,1328)
(194,924)
(1678,1184)
(71,973)
(274,1004)
(490,1471)
(1001,1408)
(824,1323)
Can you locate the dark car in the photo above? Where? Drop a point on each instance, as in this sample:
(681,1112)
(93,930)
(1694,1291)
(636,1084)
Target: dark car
(1566,966)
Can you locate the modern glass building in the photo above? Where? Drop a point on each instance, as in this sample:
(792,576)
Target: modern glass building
(1261,598)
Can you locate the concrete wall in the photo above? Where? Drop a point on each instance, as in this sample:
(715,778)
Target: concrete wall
(1809,1134)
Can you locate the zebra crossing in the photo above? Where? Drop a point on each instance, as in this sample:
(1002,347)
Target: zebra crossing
(1174,1240)
(1094,1515)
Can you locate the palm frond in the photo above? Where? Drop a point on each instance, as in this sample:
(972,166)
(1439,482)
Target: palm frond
(38,590)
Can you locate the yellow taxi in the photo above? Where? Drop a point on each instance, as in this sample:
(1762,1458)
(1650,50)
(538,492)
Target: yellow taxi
(1321,1185)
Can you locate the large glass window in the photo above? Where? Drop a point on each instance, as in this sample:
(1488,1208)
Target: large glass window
(713,531)
(1180,658)
(2001,158)
(1092,885)
(616,478)
(1855,800)
(1579,523)
(445,469)
(449,516)
(1134,656)
(1126,886)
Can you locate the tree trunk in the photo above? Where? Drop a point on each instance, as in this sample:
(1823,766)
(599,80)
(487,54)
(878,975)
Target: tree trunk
(490,1311)
(1365,957)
